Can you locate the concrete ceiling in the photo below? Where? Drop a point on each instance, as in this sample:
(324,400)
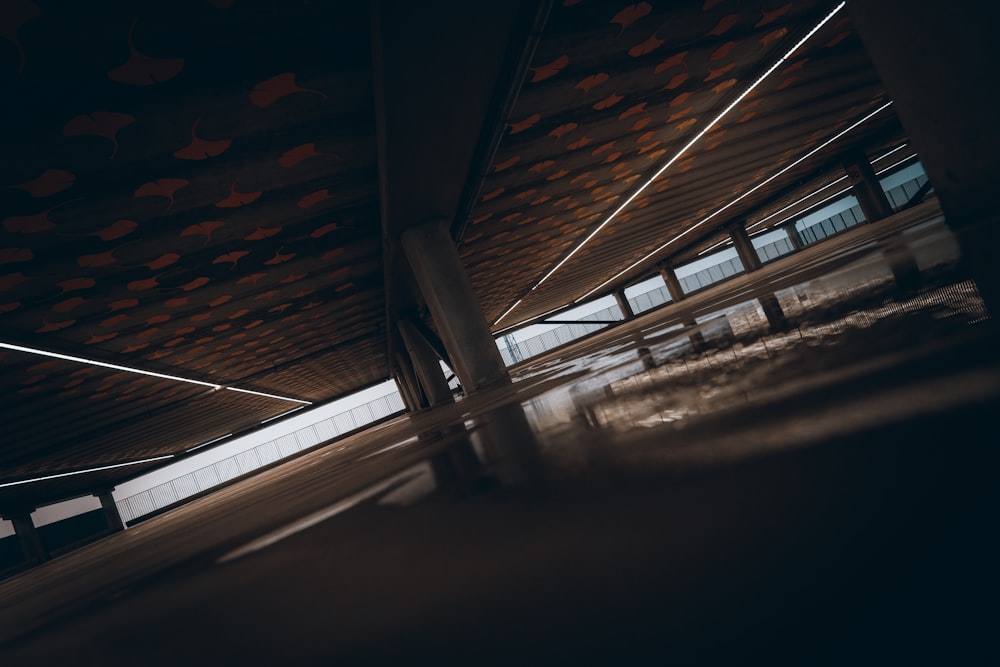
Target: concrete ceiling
(214,189)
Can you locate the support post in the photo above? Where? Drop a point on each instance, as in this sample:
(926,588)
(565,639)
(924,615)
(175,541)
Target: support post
(457,316)
(872,198)
(111,515)
(932,66)
(793,236)
(31,543)
(677,294)
(744,248)
(408,381)
(624,305)
(425,364)
(673,284)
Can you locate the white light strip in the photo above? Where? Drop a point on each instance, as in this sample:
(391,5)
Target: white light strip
(691,143)
(83,472)
(507,312)
(286,412)
(711,248)
(260,393)
(738,199)
(828,185)
(893,166)
(206,444)
(798,201)
(93,362)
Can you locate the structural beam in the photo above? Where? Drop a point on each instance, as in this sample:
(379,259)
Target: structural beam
(110,508)
(27,535)
(426,365)
(456,313)
(744,248)
(677,294)
(866,187)
(624,305)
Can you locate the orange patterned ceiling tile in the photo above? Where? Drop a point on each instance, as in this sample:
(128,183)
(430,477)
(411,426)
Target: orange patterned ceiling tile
(122,304)
(773,36)
(592,81)
(143,285)
(543,72)
(608,101)
(772,16)
(293,156)
(631,14)
(237,199)
(69,304)
(105,124)
(646,47)
(29,224)
(162,187)
(271,90)
(725,85)
(231,258)
(143,70)
(50,182)
(116,230)
(113,321)
(314,198)
(202,149)
(523,125)
(12,255)
(280,258)
(673,61)
(507,164)
(725,25)
(14,279)
(579,143)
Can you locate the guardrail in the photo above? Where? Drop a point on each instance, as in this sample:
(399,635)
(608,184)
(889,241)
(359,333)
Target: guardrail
(203,479)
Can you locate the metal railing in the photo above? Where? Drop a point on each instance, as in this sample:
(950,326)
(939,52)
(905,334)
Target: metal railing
(185,486)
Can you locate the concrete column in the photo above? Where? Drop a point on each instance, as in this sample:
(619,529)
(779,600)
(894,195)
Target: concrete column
(110,508)
(31,544)
(624,305)
(933,64)
(793,236)
(677,294)
(673,284)
(405,392)
(458,318)
(876,206)
(872,198)
(425,365)
(408,378)
(744,248)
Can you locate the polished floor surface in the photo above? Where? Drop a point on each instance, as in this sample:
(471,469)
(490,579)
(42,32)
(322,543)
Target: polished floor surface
(698,486)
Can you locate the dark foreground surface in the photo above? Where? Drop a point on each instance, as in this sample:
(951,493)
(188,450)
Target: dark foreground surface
(824,493)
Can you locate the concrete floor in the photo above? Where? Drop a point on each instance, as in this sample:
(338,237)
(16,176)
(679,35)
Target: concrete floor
(822,494)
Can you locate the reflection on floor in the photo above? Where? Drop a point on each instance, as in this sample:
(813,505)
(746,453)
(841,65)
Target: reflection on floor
(816,489)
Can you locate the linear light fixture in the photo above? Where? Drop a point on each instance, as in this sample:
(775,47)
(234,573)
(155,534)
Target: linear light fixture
(139,371)
(260,393)
(206,444)
(683,150)
(85,471)
(745,194)
(283,414)
(828,185)
(94,362)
